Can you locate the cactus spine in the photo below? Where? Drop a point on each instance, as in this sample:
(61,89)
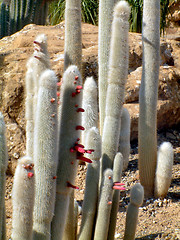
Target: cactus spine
(3,166)
(104,208)
(93,141)
(117,173)
(73,41)
(89,103)
(164,169)
(148,95)
(45,155)
(69,134)
(23,200)
(118,71)
(105,21)
(124,139)
(136,200)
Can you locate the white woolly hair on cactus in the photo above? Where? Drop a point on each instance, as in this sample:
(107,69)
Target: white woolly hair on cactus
(73,35)
(70,128)
(136,200)
(117,77)
(117,173)
(90,105)
(45,154)
(148,95)
(23,200)
(41,43)
(124,139)
(104,208)
(104,35)
(93,141)
(29,112)
(37,63)
(163,176)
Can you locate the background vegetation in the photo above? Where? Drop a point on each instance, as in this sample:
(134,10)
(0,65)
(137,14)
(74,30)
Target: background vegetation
(90,13)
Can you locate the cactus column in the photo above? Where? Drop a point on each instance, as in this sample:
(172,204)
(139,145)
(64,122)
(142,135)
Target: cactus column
(3,166)
(69,134)
(118,71)
(148,95)
(73,41)
(105,21)
(45,155)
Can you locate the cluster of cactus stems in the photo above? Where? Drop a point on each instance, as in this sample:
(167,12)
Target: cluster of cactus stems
(15,14)
(63,130)
(149,164)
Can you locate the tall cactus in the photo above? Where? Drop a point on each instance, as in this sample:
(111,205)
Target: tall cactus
(93,141)
(117,76)
(105,22)
(3,166)
(117,173)
(136,200)
(104,208)
(148,95)
(4,19)
(36,64)
(73,41)
(45,155)
(23,200)
(69,135)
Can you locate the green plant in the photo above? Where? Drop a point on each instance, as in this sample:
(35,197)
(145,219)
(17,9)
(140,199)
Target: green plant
(89,12)
(15,14)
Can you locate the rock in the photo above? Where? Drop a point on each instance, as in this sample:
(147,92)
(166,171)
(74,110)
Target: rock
(17,48)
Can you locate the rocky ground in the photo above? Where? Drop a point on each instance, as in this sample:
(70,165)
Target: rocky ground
(158,218)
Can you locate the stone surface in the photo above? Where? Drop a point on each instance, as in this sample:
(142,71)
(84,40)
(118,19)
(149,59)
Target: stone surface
(16,49)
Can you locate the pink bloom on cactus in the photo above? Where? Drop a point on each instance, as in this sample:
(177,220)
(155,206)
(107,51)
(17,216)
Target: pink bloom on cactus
(117,186)
(80,110)
(79,127)
(82,158)
(71,185)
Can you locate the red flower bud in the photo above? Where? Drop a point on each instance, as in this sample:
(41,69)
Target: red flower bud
(30,175)
(70,185)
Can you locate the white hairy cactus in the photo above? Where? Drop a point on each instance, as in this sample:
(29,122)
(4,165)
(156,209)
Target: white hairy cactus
(124,139)
(23,200)
(90,106)
(136,200)
(164,169)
